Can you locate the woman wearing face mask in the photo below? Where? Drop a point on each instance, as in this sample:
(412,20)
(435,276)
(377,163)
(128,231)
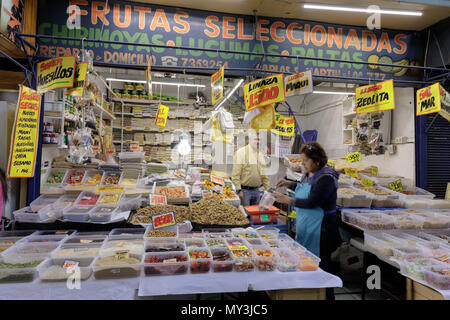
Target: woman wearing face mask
(315,205)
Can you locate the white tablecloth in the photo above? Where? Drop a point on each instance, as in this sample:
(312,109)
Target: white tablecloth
(235,282)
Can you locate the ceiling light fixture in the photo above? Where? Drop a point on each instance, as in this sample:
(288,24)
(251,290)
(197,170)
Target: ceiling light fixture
(356,9)
(157,82)
(334,92)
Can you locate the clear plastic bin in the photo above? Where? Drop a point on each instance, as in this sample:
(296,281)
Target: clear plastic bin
(354,198)
(165,263)
(245,234)
(223,259)
(256,242)
(405,222)
(438,204)
(391,199)
(242,264)
(87,198)
(438,277)
(129,180)
(369,221)
(50,179)
(415,268)
(130,202)
(181,200)
(111,178)
(132,155)
(237,242)
(290,161)
(156,247)
(195,243)
(109,267)
(416,193)
(403,253)
(54,232)
(27,215)
(77,213)
(433,220)
(72,251)
(217,233)
(52,269)
(268,233)
(127,233)
(93,178)
(200,259)
(265,258)
(28,252)
(74,178)
(308,262)
(276,244)
(102,213)
(44,239)
(11,272)
(83,240)
(216,242)
(110,247)
(296,248)
(109,198)
(285,238)
(383,242)
(43,201)
(287,261)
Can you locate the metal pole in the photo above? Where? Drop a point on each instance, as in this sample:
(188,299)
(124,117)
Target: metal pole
(231,51)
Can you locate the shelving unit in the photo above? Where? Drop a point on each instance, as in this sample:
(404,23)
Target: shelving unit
(348,114)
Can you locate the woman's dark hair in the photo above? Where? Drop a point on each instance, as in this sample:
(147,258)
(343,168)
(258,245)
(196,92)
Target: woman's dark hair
(4,186)
(314,151)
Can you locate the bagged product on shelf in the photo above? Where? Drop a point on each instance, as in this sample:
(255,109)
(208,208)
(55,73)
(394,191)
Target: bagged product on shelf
(265,120)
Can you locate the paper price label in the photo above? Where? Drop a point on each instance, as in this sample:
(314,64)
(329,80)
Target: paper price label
(353,157)
(110,188)
(293,214)
(264,91)
(264,217)
(192,117)
(163,220)
(217,180)
(147,129)
(374,170)
(156,199)
(237,248)
(128,129)
(351,172)
(170,260)
(70,263)
(396,185)
(138,114)
(366,182)
(207,193)
(86,241)
(122,254)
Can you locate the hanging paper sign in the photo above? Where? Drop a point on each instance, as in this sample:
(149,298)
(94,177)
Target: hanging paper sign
(353,157)
(25,134)
(263,92)
(79,81)
(396,185)
(207,193)
(70,264)
(445,103)
(298,84)
(161,117)
(375,97)
(217,85)
(367,182)
(428,100)
(163,220)
(148,79)
(157,199)
(351,172)
(217,180)
(285,126)
(55,73)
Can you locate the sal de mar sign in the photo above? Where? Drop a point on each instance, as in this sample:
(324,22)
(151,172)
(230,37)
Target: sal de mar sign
(140,23)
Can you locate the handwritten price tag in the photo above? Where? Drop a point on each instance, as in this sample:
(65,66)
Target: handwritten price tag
(353,157)
(217,180)
(156,199)
(396,185)
(207,193)
(70,263)
(351,172)
(367,182)
(163,220)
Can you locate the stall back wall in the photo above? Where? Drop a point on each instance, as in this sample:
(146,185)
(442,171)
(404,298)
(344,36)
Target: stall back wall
(152,24)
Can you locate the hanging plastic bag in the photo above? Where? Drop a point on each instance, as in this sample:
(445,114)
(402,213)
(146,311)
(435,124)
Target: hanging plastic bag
(217,135)
(226,120)
(265,120)
(248,116)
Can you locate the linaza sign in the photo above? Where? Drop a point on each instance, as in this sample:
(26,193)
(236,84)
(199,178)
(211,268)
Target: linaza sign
(140,23)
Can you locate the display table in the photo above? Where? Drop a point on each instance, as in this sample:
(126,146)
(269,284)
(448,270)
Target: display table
(420,291)
(308,283)
(236,282)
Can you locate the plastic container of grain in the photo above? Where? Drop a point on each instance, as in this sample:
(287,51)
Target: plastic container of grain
(134,246)
(361,200)
(72,251)
(17,272)
(77,213)
(109,199)
(433,220)
(111,267)
(29,251)
(58,239)
(43,201)
(83,240)
(383,242)
(130,202)
(403,253)
(127,233)
(169,265)
(102,213)
(52,269)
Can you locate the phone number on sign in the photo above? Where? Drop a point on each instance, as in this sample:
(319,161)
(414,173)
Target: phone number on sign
(203,63)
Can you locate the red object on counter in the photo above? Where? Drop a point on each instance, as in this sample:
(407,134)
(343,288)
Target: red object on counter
(254,210)
(75,178)
(264,218)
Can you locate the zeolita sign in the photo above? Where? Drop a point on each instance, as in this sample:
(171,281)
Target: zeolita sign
(140,23)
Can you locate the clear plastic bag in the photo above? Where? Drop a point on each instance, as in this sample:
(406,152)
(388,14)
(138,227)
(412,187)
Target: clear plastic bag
(267,200)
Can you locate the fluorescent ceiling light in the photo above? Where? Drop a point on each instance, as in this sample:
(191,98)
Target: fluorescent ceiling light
(334,92)
(356,9)
(230,94)
(157,82)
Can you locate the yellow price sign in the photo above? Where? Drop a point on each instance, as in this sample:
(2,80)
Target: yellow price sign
(55,73)
(396,185)
(79,81)
(353,157)
(217,85)
(375,97)
(293,214)
(428,100)
(128,129)
(161,117)
(264,91)
(367,182)
(351,172)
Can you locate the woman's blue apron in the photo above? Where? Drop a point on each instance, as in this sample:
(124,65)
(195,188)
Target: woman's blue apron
(309,221)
